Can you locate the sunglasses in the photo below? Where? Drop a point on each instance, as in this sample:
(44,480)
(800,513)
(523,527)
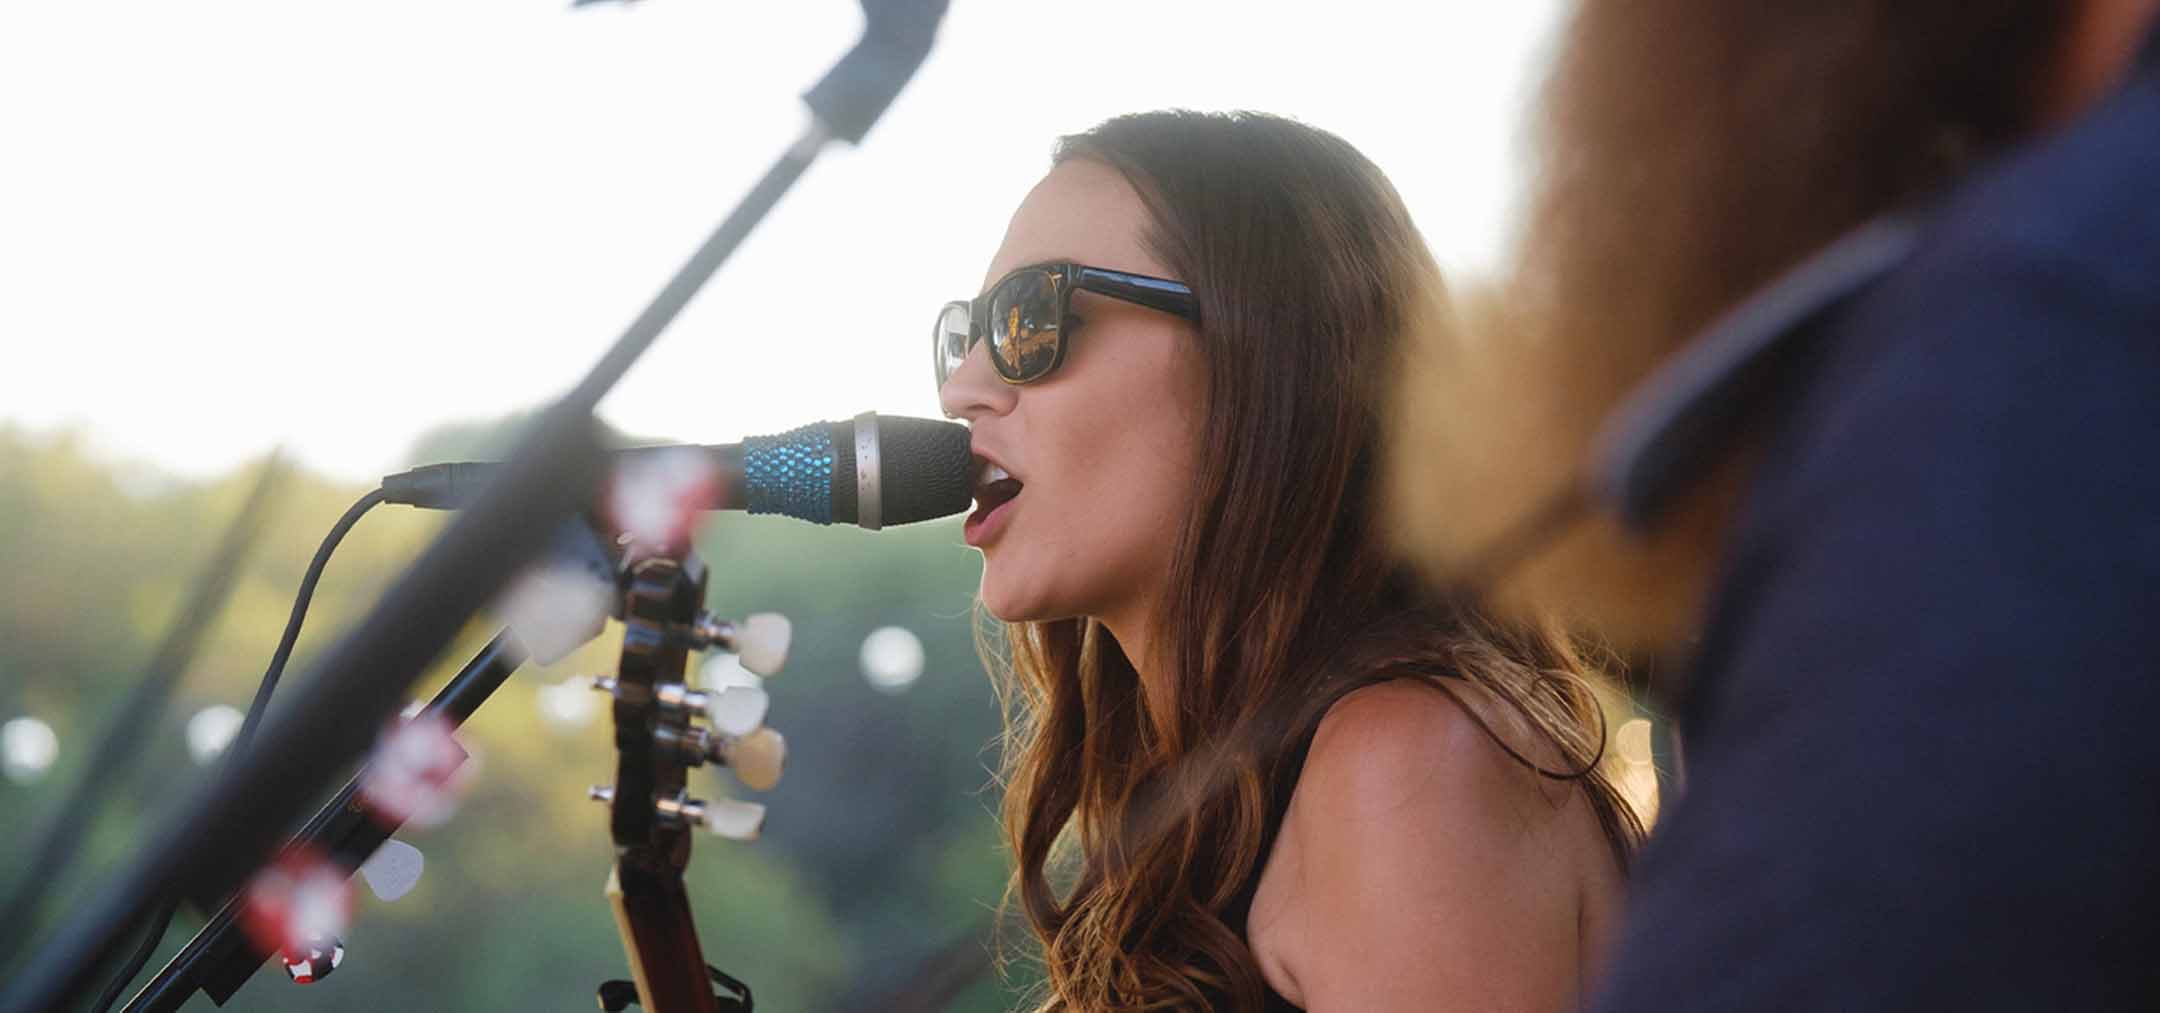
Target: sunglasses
(1027,314)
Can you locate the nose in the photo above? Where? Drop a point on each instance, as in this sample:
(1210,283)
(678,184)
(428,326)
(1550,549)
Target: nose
(975,390)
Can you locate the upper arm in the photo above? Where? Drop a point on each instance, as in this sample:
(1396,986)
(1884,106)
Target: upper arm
(1430,870)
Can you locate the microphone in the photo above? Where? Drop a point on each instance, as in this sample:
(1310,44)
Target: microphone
(867,471)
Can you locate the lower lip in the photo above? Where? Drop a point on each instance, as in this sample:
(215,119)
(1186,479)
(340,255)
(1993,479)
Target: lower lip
(982,527)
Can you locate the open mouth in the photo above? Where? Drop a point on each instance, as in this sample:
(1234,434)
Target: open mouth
(994,488)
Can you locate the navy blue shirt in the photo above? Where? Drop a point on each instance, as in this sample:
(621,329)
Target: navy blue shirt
(1923,728)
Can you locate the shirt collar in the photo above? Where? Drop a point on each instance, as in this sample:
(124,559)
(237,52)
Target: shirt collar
(1673,422)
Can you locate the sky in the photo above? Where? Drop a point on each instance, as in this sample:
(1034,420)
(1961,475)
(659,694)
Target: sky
(228,226)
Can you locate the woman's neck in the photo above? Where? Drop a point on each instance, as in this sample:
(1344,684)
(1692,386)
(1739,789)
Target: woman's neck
(1148,653)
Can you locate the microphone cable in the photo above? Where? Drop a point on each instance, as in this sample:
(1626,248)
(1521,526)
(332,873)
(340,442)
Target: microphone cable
(162,915)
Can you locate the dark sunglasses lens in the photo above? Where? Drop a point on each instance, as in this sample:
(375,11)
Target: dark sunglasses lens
(1023,325)
(950,340)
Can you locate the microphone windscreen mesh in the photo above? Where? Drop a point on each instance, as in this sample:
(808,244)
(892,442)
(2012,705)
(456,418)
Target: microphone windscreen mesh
(925,469)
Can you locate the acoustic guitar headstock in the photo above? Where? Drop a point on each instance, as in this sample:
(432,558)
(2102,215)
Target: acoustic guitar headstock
(664,728)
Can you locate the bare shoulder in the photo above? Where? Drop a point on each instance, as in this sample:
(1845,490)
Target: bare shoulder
(1406,743)
(1420,865)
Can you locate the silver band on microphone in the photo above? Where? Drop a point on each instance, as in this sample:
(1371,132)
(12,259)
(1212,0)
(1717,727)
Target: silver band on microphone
(868,509)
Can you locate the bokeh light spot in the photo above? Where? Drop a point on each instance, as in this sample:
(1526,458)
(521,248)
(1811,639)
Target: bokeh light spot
(656,496)
(569,705)
(211,730)
(417,773)
(892,658)
(28,748)
(553,610)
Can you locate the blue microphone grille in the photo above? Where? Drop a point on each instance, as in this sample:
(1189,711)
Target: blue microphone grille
(790,473)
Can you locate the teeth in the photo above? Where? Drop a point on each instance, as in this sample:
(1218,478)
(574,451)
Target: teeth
(993,473)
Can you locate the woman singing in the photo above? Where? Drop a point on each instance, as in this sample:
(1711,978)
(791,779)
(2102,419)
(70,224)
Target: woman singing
(1249,767)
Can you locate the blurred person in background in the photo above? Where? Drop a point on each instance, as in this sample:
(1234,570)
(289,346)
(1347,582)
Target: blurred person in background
(1250,765)
(1910,589)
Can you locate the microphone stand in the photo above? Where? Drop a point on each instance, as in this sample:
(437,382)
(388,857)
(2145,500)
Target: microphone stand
(227,828)
(221,958)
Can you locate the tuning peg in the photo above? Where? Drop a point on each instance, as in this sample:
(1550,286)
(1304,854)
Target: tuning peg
(737,710)
(720,670)
(393,870)
(733,819)
(725,817)
(733,711)
(763,641)
(757,758)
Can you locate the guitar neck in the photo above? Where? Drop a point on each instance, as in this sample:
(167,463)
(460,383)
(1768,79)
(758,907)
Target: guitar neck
(652,912)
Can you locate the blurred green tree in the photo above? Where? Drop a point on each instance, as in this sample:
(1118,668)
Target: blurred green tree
(881,850)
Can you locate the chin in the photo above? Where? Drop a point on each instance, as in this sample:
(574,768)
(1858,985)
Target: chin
(1011,604)
(1005,610)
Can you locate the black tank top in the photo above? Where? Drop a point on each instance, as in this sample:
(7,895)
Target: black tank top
(1279,787)
(1282,782)
(1275,1002)
(1299,720)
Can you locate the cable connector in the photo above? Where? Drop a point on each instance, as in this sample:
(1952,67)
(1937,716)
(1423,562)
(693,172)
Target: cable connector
(438,486)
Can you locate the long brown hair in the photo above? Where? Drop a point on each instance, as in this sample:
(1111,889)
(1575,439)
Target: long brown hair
(1284,594)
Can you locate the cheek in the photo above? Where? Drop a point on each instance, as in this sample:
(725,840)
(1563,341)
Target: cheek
(1111,483)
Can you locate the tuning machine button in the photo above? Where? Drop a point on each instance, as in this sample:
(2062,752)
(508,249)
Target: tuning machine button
(393,870)
(762,639)
(734,711)
(733,819)
(758,759)
(737,710)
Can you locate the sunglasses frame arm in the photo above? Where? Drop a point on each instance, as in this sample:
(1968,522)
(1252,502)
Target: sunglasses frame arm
(1161,294)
